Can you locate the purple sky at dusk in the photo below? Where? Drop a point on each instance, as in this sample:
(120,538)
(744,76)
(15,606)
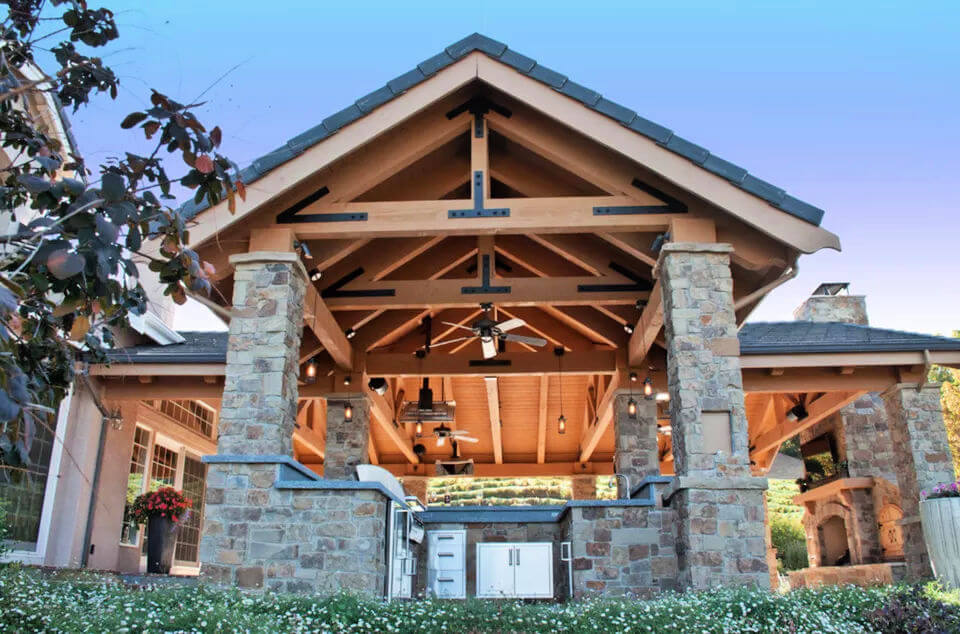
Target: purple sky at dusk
(850,106)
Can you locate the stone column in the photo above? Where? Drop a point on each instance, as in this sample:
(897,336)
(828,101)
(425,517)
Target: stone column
(347,440)
(719,505)
(636,454)
(922,460)
(257,416)
(584,487)
(259,407)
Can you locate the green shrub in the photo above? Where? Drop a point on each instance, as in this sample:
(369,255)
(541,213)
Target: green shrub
(788,538)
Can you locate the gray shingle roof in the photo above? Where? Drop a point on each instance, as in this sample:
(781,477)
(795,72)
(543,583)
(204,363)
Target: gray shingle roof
(809,337)
(662,136)
(788,337)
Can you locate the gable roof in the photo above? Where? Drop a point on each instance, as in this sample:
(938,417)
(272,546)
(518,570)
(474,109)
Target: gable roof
(788,337)
(810,337)
(529,67)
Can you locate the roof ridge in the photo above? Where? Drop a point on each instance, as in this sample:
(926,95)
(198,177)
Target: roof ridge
(662,136)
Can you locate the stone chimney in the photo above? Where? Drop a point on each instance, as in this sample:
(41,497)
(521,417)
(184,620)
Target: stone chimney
(831,302)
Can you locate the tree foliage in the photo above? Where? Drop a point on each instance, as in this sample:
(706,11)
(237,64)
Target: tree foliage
(949,380)
(69,273)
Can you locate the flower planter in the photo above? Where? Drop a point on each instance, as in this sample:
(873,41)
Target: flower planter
(941,532)
(161,542)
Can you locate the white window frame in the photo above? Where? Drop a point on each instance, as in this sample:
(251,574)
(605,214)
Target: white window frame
(38,555)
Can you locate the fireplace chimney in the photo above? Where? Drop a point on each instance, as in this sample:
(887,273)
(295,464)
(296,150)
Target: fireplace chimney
(832,302)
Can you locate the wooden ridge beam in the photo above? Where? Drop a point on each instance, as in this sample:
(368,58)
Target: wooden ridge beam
(818,410)
(325,327)
(493,407)
(565,214)
(604,418)
(509,363)
(450,293)
(382,412)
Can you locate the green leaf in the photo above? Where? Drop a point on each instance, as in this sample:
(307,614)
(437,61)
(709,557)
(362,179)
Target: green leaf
(33,183)
(133,119)
(112,186)
(63,264)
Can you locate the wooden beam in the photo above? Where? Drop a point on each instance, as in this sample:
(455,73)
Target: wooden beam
(506,364)
(819,409)
(636,245)
(604,418)
(325,327)
(327,253)
(647,328)
(372,455)
(449,293)
(382,413)
(545,325)
(542,420)
(168,387)
(159,369)
(566,214)
(387,328)
(517,469)
(579,251)
(590,323)
(493,407)
(378,259)
(439,260)
(793,380)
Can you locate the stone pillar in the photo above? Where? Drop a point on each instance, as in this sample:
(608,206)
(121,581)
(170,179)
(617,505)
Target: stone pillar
(257,417)
(347,440)
(259,407)
(636,454)
(922,460)
(719,505)
(584,487)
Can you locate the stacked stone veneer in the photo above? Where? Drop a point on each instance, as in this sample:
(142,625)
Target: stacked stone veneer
(623,550)
(720,517)
(846,309)
(259,406)
(860,575)
(347,440)
(636,454)
(922,460)
(258,536)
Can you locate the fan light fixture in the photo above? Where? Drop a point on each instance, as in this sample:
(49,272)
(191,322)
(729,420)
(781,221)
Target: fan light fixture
(797,412)
(628,329)
(347,412)
(350,333)
(315,274)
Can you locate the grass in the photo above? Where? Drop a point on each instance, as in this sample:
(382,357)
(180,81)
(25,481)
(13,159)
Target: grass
(30,602)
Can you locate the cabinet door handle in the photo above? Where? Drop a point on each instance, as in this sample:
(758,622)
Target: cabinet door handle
(510,557)
(518,556)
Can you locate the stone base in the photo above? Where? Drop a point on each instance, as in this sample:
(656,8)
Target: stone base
(861,575)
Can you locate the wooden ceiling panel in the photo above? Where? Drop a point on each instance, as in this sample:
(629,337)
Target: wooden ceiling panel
(519,413)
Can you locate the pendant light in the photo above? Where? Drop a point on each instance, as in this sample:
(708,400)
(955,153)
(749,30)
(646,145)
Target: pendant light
(561,420)
(310,372)
(419,428)
(632,404)
(648,388)
(347,412)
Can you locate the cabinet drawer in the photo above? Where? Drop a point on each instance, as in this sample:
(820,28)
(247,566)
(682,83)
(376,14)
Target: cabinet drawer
(447,584)
(447,558)
(440,540)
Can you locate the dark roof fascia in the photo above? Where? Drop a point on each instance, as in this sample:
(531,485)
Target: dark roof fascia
(664,137)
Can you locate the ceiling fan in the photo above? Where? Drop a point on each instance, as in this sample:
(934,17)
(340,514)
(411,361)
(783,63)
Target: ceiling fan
(442,432)
(491,333)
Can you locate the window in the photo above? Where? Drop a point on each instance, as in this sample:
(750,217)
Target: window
(135,483)
(194,485)
(22,487)
(193,415)
(163,470)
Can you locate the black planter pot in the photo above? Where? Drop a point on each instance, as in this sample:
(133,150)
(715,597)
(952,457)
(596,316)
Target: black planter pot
(161,542)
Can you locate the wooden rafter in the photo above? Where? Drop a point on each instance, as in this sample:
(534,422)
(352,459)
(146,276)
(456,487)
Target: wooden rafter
(590,323)
(326,328)
(493,407)
(382,412)
(647,328)
(817,410)
(604,418)
(544,325)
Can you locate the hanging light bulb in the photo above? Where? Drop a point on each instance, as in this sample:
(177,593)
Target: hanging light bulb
(562,424)
(647,387)
(632,408)
(347,412)
(419,428)
(561,420)
(310,371)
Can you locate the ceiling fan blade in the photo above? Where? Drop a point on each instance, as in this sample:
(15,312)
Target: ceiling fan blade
(466,439)
(450,323)
(510,324)
(443,343)
(489,348)
(533,341)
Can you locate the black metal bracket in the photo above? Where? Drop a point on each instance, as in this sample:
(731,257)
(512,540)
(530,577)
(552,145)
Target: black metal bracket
(490,363)
(335,289)
(484,287)
(671,204)
(674,205)
(289,215)
(478,210)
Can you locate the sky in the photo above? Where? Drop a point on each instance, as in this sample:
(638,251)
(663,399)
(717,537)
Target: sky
(851,106)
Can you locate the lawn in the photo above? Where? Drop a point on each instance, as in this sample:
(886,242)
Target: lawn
(30,602)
